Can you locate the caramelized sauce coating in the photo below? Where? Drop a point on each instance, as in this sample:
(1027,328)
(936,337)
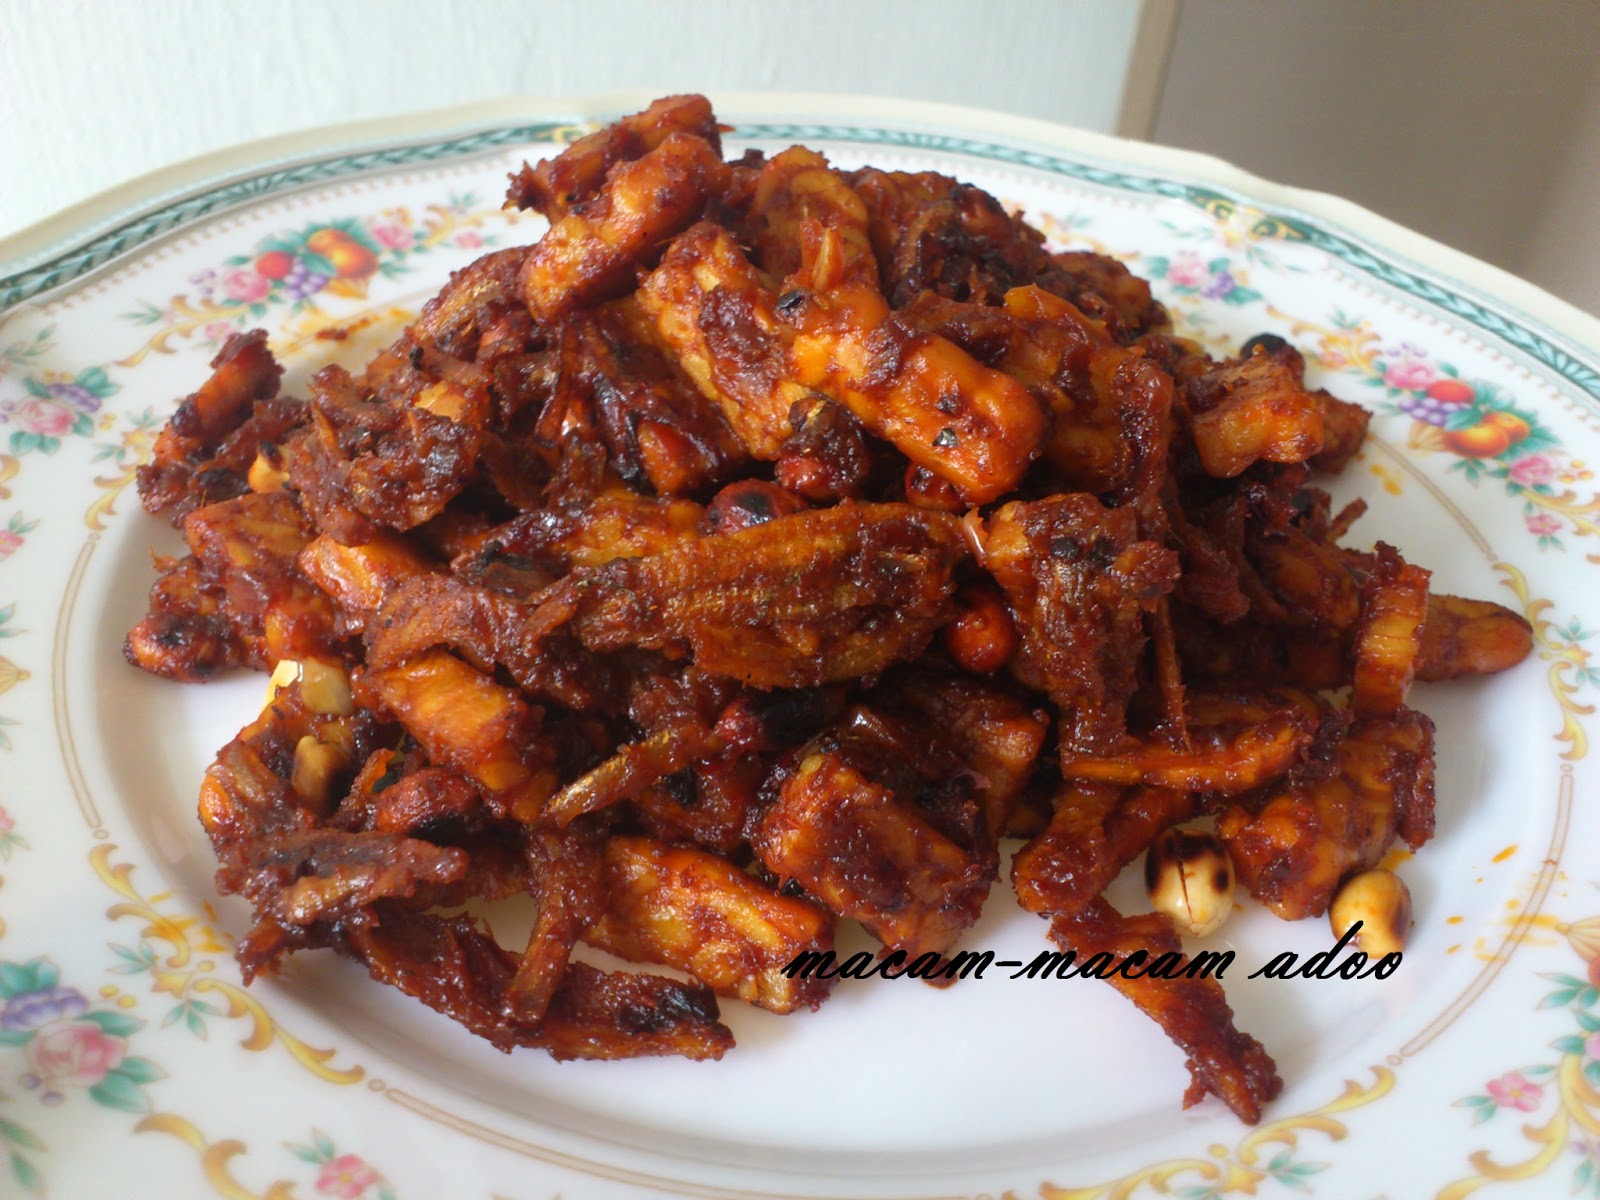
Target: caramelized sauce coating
(753,551)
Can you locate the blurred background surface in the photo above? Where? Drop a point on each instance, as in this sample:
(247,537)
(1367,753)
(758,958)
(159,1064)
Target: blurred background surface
(1476,122)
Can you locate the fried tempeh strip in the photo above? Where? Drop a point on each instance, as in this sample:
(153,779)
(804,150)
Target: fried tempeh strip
(1388,637)
(1254,409)
(1097,829)
(975,427)
(1191,1010)
(716,314)
(574,176)
(466,721)
(455,968)
(1471,637)
(1110,405)
(1339,818)
(697,912)
(360,578)
(798,601)
(858,851)
(590,254)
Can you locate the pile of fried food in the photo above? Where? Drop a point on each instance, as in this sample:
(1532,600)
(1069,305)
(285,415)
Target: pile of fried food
(757,550)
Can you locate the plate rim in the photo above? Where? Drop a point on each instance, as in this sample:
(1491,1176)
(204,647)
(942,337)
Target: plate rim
(1313,204)
(43,245)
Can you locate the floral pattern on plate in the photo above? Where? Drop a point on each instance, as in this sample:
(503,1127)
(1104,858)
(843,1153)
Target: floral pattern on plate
(297,270)
(338,255)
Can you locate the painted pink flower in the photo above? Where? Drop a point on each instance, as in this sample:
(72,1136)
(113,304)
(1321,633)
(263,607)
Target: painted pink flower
(246,286)
(1543,524)
(469,240)
(1592,1047)
(393,235)
(74,1053)
(1188,270)
(219,331)
(7,821)
(1408,374)
(346,1177)
(51,417)
(9,543)
(1532,469)
(1513,1090)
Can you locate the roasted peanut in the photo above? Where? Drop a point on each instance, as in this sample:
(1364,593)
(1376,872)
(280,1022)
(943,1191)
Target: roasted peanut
(1189,876)
(315,765)
(1381,901)
(267,473)
(982,637)
(324,688)
(285,673)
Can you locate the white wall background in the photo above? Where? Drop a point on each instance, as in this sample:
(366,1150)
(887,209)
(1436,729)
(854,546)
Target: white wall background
(1474,121)
(93,92)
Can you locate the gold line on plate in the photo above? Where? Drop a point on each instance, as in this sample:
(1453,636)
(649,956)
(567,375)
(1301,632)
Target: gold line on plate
(1513,939)
(517,1145)
(58,687)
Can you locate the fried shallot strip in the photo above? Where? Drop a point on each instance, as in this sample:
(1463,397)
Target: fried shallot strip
(1191,1009)
(717,315)
(204,452)
(1237,742)
(455,968)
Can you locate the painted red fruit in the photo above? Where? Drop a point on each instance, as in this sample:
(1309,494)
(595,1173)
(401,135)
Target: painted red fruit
(1450,391)
(275,264)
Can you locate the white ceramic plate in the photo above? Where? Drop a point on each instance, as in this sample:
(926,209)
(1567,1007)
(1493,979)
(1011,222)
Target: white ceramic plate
(133,1064)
